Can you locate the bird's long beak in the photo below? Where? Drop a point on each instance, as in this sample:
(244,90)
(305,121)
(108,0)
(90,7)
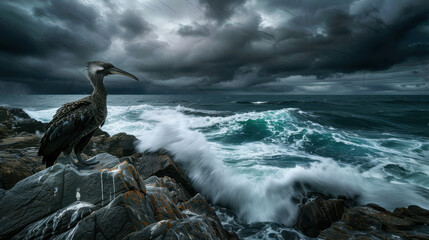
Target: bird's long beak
(115,70)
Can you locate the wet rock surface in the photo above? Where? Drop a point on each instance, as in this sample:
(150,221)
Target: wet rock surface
(340,218)
(374,222)
(161,164)
(111,201)
(17,164)
(318,213)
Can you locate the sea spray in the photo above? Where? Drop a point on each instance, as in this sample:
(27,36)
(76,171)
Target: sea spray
(271,197)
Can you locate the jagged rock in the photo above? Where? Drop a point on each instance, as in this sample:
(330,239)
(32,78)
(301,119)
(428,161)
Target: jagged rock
(177,192)
(119,145)
(195,227)
(319,213)
(17,164)
(59,186)
(199,205)
(15,120)
(197,220)
(372,221)
(104,203)
(160,164)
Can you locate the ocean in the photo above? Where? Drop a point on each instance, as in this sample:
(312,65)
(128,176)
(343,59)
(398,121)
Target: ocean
(254,157)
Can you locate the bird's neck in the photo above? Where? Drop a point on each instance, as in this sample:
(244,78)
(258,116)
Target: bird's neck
(99,92)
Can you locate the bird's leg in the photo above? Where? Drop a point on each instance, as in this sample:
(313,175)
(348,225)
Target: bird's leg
(85,163)
(72,162)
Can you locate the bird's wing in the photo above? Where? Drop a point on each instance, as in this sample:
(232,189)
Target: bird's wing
(67,108)
(69,122)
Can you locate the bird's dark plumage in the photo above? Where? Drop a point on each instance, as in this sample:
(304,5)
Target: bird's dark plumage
(74,123)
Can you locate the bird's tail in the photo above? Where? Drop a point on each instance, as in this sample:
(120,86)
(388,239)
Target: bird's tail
(49,160)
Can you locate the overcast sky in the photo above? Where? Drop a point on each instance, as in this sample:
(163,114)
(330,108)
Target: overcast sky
(217,46)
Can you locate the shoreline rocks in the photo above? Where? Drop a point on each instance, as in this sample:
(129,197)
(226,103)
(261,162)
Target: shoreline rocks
(319,212)
(340,218)
(372,221)
(16,120)
(111,201)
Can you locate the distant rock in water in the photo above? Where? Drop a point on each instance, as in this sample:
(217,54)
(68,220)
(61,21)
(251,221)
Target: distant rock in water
(109,202)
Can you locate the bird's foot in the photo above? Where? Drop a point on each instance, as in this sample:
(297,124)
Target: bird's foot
(77,165)
(82,167)
(91,161)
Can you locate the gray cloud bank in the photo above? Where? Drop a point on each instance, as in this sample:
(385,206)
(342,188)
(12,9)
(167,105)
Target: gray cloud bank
(226,46)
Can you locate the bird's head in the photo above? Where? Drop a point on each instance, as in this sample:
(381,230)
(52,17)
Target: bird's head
(102,69)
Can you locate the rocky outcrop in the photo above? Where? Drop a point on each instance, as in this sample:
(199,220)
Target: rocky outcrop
(340,218)
(18,158)
(15,120)
(109,202)
(374,222)
(161,164)
(318,213)
(17,164)
(18,146)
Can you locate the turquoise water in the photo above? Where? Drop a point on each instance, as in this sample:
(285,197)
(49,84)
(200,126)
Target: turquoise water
(257,155)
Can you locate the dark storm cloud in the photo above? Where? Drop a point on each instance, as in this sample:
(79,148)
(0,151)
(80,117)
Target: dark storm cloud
(220,10)
(46,46)
(216,46)
(72,12)
(133,23)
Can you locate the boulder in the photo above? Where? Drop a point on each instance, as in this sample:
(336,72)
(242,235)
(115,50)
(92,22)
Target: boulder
(119,145)
(161,164)
(110,201)
(318,213)
(193,219)
(372,221)
(59,186)
(17,164)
